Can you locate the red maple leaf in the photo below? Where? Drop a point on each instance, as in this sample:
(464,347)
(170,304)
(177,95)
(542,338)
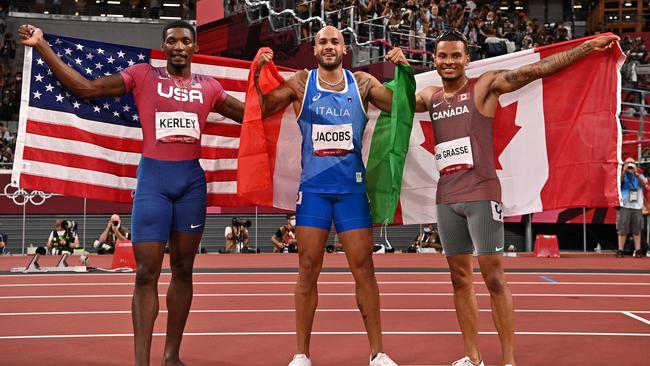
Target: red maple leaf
(505,130)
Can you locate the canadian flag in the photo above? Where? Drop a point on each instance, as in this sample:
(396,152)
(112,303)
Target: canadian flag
(557,141)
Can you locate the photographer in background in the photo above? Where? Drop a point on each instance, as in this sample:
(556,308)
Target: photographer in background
(284,240)
(114,231)
(3,245)
(63,238)
(629,217)
(237,236)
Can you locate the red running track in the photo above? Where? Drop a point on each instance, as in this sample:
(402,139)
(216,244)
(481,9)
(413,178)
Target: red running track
(246,318)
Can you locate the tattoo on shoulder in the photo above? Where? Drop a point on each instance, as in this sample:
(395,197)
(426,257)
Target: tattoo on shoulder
(363,83)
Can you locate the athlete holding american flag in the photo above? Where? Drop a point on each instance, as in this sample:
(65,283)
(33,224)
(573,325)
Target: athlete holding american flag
(171,195)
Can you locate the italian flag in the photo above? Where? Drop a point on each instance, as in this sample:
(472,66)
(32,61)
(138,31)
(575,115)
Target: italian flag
(270,147)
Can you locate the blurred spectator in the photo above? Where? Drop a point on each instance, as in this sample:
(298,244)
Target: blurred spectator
(8,50)
(5,135)
(81,7)
(428,238)
(39,6)
(3,22)
(284,240)
(6,156)
(63,238)
(135,9)
(113,232)
(154,8)
(237,236)
(629,217)
(56,7)
(3,243)
(496,46)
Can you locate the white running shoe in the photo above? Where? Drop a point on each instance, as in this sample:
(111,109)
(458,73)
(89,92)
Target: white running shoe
(382,359)
(466,361)
(300,360)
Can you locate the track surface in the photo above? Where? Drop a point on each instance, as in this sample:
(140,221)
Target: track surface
(591,309)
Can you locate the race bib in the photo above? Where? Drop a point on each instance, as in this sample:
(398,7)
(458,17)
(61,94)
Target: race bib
(497,211)
(332,140)
(454,155)
(180,127)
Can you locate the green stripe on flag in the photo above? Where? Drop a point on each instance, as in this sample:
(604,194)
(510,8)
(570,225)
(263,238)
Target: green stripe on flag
(389,144)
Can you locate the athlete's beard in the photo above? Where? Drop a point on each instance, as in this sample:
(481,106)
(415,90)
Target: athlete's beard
(331,66)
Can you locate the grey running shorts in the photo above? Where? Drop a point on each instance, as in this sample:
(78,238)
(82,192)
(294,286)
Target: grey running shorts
(467,225)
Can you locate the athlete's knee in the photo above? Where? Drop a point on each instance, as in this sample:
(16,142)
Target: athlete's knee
(363,269)
(147,275)
(310,265)
(461,278)
(182,272)
(495,282)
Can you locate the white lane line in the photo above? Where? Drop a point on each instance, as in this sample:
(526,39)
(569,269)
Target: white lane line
(633,316)
(214,334)
(100,296)
(292,283)
(378,272)
(349,310)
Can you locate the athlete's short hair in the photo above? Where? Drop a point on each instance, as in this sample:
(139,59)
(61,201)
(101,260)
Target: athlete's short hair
(453,35)
(179,24)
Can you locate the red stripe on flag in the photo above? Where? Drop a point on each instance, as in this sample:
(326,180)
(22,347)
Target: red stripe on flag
(79,161)
(223,199)
(214,60)
(218,153)
(221,175)
(222,129)
(76,134)
(76,189)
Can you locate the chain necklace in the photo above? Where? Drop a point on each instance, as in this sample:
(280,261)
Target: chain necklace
(331,84)
(451,99)
(180,82)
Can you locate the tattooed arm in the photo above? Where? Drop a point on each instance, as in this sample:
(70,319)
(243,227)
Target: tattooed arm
(506,81)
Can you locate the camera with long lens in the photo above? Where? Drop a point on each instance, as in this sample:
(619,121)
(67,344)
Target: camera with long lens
(630,166)
(238,221)
(69,225)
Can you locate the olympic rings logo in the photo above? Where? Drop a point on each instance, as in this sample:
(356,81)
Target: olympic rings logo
(21,197)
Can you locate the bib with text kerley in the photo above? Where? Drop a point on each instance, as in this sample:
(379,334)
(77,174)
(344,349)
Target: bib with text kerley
(332,140)
(180,127)
(454,155)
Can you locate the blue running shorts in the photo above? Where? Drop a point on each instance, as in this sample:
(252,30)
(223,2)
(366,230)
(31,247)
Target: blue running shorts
(170,196)
(349,210)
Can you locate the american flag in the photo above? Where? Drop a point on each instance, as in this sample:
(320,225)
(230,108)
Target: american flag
(91,148)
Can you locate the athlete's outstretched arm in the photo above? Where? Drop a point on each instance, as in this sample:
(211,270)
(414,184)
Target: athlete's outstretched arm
(278,98)
(379,95)
(506,81)
(107,86)
(231,108)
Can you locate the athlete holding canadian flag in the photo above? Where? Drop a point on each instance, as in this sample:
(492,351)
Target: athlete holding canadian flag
(468,198)
(171,194)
